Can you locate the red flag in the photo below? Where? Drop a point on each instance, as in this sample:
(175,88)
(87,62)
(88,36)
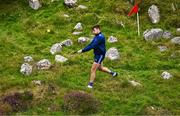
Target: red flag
(133,10)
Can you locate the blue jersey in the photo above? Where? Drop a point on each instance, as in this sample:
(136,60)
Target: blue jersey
(98,44)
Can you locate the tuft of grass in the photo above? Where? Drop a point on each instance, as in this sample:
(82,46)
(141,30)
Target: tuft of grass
(80,103)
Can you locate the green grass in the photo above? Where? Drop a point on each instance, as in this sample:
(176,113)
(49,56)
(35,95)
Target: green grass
(23,32)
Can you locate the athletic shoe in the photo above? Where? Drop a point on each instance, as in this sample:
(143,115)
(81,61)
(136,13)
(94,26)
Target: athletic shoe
(89,86)
(114,74)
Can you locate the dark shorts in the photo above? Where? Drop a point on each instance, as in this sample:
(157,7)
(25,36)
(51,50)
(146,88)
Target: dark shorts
(99,58)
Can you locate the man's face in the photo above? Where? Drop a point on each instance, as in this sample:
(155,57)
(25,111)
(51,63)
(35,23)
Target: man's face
(95,31)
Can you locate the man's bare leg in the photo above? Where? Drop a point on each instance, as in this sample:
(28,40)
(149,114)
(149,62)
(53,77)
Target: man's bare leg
(105,69)
(93,74)
(93,71)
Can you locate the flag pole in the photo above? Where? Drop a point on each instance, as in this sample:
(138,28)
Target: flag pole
(138,24)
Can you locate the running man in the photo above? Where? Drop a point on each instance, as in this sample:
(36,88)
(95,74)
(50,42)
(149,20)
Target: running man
(98,44)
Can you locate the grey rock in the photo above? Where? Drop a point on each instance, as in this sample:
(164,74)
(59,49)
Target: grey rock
(178,30)
(43,64)
(112,54)
(167,35)
(26,69)
(34,4)
(59,58)
(154,15)
(56,48)
(67,42)
(83,40)
(166,75)
(162,48)
(37,82)
(82,7)
(176,40)
(112,39)
(134,83)
(28,59)
(76,33)
(78,27)
(153,34)
(70,3)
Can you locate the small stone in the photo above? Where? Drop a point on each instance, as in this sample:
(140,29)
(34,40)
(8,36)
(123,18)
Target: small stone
(28,59)
(134,83)
(112,54)
(153,34)
(154,15)
(67,42)
(162,48)
(76,33)
(34,4)
(26,69)
(56,48)
(59,58)
(112,39)
(176,40)
(36,82)
(70,3)
(78,27)
(166,75)
(167,35)
(83,40)
(82,7)
(43,64)
(178,30)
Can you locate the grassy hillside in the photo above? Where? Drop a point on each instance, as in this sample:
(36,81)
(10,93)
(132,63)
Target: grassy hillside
(23,31)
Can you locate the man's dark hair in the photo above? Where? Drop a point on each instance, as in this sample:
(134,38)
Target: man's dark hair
(96,26)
